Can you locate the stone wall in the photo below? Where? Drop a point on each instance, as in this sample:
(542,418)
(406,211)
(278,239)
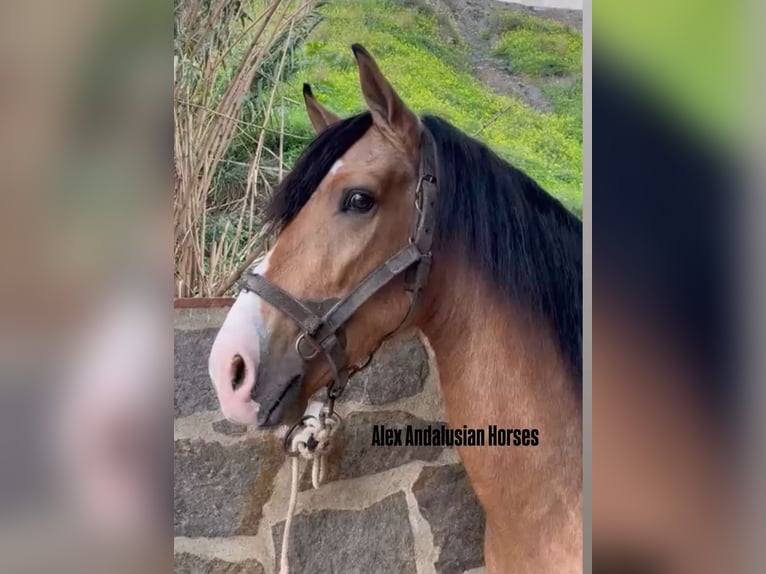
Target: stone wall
(383,509)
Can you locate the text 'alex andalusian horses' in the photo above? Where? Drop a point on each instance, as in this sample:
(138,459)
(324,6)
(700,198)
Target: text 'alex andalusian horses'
(387,222)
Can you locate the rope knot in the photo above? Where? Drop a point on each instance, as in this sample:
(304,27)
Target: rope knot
(310,439)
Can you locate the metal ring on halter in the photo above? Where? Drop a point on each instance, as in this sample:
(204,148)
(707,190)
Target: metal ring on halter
(314,347)
(331,414)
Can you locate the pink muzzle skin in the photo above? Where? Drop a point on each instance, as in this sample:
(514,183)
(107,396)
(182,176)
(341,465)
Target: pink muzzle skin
(239,336)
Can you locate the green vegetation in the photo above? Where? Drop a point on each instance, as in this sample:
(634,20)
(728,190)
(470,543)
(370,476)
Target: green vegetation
(427,63)
(530,47)
(550,55)
(565,97)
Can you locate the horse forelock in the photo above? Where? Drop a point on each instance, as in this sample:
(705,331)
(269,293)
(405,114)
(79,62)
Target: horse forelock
(312,166)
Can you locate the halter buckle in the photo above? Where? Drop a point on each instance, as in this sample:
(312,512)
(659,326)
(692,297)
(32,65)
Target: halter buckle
(419,191)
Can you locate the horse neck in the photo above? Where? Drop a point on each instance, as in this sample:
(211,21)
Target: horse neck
(500,365)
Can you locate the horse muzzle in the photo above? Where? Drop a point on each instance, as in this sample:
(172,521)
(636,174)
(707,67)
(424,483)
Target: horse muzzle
(279,384)
(257,378)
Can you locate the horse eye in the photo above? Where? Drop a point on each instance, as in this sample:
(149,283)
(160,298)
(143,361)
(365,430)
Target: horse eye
(358,202)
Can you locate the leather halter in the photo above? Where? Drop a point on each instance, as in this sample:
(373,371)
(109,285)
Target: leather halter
(321,324)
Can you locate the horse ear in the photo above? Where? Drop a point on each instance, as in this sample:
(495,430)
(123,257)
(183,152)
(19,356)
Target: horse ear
(319,116)
(387,108)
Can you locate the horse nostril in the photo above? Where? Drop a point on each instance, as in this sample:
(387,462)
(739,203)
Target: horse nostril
(237,372)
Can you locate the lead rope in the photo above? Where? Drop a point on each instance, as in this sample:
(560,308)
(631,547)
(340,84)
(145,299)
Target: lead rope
(311,441)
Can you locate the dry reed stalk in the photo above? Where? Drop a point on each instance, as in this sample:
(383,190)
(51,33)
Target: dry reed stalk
(218,55)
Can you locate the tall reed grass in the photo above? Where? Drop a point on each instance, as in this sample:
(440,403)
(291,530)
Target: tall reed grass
(230,57)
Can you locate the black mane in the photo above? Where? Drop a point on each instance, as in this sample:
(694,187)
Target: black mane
(521,238)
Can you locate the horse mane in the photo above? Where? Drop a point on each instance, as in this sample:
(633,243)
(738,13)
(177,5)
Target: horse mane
(521,238)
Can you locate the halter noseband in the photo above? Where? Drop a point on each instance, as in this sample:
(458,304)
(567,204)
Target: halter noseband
(321,324)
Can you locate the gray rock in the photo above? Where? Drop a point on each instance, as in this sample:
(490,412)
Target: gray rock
(229,428)
(186,563)
(376,540)
(220,490)
(193,391)
(448,503)
(398,370)
(353,455)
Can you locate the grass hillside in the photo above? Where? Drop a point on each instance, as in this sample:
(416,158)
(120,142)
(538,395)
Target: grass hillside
(424,57)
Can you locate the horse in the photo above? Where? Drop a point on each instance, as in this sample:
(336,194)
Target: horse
(396,222)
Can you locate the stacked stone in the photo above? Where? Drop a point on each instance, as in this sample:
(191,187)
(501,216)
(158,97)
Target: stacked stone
(399,509)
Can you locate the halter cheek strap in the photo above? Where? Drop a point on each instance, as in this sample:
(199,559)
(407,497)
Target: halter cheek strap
(321,324)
